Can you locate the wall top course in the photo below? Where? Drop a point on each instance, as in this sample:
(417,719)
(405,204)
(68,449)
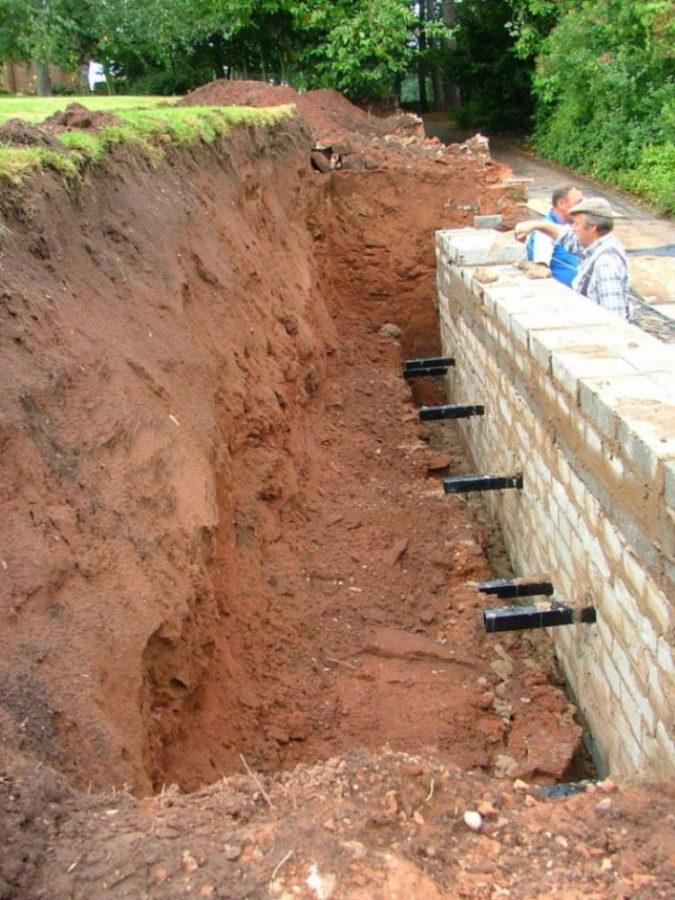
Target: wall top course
(636,398)
(468,247)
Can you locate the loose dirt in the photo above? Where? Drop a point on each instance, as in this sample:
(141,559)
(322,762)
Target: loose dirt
(227,549)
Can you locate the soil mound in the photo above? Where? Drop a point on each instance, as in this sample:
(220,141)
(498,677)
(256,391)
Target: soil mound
(78,116)
(331,117)
(226,92)
(17,131)
(357,827)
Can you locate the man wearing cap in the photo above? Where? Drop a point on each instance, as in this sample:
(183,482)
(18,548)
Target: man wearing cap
(602,275)
(541,248)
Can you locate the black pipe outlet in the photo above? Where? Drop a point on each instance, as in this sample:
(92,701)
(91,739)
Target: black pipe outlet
(562,789)
(428,372)
(464,484)
(452,411)
(428,362)
(506,587)
(522,618)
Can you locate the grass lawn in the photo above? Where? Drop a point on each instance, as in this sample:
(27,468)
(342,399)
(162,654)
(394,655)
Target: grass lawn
(35,109)
(151,129)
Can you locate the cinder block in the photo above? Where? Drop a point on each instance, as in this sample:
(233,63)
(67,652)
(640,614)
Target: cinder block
(470,247)
(612,675)
(665,739)
(610,401)
(649,356)
(592,440)
(658,606)
(633,572)
(570,365)
(591,545)
(487,221)
(664,657)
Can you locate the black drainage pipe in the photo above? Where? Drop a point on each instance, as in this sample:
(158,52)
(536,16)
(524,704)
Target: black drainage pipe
(562,789)
(429,372)
(522,618)
(505,588)
(452,411)
(427,362)
(463,484)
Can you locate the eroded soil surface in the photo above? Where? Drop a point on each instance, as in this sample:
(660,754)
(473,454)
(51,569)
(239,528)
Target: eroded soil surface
(228,565)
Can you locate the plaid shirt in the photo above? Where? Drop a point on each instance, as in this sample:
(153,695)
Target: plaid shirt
(603,272)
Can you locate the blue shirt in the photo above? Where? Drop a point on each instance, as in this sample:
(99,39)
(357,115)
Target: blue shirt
(541,248)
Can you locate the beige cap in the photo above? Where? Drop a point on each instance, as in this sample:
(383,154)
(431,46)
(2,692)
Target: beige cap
(594,206)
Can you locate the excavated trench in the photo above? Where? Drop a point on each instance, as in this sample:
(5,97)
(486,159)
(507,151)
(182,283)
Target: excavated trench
(226,541)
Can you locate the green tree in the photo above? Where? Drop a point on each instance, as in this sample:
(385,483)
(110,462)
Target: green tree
(605,91)
(493,77)
(62,32)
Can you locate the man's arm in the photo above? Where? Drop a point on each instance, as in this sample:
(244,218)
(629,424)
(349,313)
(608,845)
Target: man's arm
(540,248)
(552,229)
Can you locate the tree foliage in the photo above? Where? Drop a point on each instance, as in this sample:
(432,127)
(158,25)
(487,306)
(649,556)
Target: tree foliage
(605,91)
(493,76)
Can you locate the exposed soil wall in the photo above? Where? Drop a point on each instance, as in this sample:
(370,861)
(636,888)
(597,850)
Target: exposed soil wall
(161,357)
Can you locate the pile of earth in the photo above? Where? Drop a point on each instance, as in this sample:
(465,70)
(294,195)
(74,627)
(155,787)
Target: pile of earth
(77,116)
(23,134)
(364,826)
(360,139)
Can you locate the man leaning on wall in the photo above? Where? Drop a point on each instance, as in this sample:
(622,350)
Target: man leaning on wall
(542,249)
(602,275)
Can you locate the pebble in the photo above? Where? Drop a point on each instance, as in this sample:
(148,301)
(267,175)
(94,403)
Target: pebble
(603,805)
(473,820)
(486,809)
(355,849)
(389,329)
(232,852)
(520,787)
(189,863)
(160,876)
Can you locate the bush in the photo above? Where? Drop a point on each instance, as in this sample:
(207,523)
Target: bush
(605,85)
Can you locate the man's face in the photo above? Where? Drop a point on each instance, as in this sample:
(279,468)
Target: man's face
(565,205)
(585,233)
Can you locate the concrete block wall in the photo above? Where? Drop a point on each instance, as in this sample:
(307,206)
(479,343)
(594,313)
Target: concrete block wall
(583,405)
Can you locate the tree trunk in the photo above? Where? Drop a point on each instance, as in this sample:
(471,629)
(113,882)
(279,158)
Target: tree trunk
(109,82)
(421,63)
(83,77)
(452,96)
(435,66)
(44,82)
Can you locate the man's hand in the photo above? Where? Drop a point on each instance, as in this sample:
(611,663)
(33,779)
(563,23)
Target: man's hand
(534,270)
(522,230)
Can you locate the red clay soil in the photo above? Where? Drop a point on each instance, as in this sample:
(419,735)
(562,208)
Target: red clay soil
(226,547)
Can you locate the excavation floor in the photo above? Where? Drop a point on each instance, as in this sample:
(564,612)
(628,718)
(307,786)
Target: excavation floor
(375,634)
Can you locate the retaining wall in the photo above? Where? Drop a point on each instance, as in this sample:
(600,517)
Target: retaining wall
(583,404)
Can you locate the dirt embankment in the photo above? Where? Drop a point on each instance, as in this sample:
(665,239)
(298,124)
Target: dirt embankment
(166,432)
(224,542)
